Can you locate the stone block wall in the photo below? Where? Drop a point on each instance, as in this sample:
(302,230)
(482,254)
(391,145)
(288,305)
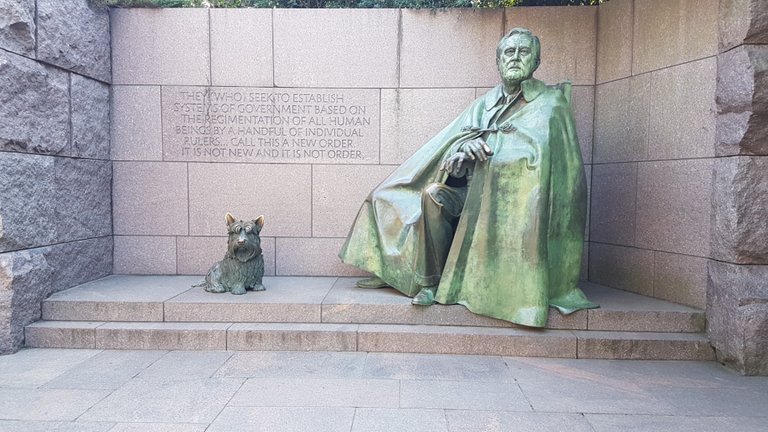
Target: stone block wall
(231,110)
(654,147)
(737,306)
(55,169)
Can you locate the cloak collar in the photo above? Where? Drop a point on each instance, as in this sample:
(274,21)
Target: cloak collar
(532,88)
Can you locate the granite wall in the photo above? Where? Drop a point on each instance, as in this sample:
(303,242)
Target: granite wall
(654,148)
(737,297)
(55,169)
(680,174)
(297,115)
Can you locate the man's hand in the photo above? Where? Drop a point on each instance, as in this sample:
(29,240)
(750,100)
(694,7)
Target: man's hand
(477,149)
(455,164)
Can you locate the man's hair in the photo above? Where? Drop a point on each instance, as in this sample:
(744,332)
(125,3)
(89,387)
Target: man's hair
(521,31)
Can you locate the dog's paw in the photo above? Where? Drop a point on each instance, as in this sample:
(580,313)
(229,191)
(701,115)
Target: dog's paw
(215,289)
(238,290)
(259,287)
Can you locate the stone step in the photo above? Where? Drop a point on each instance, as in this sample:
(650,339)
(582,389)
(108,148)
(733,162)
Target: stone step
(336,300)
(369,338)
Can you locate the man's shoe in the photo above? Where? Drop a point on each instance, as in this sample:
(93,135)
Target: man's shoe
(425,297)
(372,282)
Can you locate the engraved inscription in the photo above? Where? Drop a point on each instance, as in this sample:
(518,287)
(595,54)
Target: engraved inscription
(268,125)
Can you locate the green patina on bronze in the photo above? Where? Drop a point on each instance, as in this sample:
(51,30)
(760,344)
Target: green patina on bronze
(492,210)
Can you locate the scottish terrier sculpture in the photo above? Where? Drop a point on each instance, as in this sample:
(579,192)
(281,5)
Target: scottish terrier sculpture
(243,266)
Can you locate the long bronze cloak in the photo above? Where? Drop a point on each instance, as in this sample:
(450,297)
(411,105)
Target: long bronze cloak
(518,244)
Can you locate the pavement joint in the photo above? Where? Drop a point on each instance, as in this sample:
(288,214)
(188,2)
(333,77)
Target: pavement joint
(578,395)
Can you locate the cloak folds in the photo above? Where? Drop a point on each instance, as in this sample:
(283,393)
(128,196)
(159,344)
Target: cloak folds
(518,243)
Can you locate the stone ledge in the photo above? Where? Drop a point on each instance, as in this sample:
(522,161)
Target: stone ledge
(423,339)
(467,340)
(165,336)
(57,334)
(643,346)
(337,301)
(292,337)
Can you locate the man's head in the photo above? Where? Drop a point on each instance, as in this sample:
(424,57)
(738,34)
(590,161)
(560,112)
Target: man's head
(518,55)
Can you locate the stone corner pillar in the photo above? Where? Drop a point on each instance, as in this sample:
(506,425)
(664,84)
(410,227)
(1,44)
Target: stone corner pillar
(737,292)
(25,280)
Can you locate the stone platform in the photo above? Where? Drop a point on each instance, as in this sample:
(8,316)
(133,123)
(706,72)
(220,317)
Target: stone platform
(330,314)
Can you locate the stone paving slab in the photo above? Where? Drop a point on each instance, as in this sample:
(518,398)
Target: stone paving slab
(346,303)
(142,400)
(687,423)
(316,392)
(32,368)
(482,421)
(499,396)
(185,366)
(640,387)
(283,419)
(47,404)
(292,364)
(287,299)
(183,391)
(385,420)
(158,427)
(117,298)
(626,311)
(108,370)
(417,367)
(40,426)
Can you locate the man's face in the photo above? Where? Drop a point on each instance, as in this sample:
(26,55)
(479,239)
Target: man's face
(517,61)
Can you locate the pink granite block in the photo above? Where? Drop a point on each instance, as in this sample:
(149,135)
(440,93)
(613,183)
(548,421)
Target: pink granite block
(614,40)
(335,47)
(613,203)
(673,32)
(625,268)
(281,193)
(674,205)
(680,279)
(312,257)
(241,47)
(622,120)
(145,255)
(149,198)
(450,47)
(682,119)
(135,125)
(160,46)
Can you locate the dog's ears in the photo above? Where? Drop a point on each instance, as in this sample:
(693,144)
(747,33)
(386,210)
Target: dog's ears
(259,222)
(229,218)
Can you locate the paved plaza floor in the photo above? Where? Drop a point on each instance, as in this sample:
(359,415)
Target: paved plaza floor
(185,391)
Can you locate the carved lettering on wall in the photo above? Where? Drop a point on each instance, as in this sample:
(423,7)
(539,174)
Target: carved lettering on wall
(266,125)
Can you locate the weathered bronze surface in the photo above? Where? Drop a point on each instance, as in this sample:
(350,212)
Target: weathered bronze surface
(243,265)
(489,213)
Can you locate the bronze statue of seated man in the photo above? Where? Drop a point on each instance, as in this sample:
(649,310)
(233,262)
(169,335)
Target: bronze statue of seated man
(489,213)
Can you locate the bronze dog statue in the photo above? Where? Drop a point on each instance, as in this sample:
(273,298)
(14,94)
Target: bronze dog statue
(243,266)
